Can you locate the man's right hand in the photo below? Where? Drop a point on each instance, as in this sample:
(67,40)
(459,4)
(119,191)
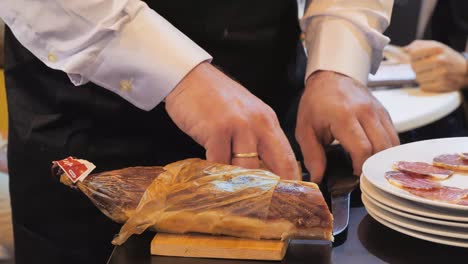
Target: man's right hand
(225,118)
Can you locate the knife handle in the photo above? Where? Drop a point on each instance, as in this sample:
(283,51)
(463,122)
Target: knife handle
(339,172)
(340,238)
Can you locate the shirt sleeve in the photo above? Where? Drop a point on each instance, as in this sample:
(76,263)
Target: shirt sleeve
(346,36)
(121,45)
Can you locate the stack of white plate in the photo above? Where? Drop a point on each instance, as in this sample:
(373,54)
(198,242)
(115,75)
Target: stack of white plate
(412,215)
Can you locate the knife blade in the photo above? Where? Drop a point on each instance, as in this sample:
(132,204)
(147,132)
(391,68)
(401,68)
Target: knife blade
(340,209)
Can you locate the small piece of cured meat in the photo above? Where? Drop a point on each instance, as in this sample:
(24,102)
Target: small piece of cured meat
(444,194)
(451,161)
(423,168)
(410,181)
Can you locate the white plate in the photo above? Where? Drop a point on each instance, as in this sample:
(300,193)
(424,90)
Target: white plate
(412,108)
(415,217)
(420,235)
(411,207)
(375,167)
(444,231)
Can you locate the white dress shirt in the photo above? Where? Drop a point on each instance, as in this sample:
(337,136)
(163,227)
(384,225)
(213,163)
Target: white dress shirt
(126,47)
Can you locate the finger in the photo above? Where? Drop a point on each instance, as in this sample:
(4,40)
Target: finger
(425,64)
(276,152)
(375,132)
(245,141)
(387,123)
(312,151)
(354,140)
(415,45)
(427,78)
(436,86)
(418,51)
(432,75)
(218,149)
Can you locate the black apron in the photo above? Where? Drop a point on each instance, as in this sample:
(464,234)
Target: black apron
(254,41)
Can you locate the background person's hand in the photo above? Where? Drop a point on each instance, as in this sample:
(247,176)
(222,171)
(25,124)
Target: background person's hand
(225,118)
(438,68)
(335,106)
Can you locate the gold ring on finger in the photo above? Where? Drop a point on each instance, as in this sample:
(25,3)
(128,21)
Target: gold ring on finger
(245,155)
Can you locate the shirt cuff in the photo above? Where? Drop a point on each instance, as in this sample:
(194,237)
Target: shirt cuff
(144,61)
(335,44)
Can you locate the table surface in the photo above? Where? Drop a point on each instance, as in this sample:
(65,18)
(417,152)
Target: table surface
(368,242)
(411,108)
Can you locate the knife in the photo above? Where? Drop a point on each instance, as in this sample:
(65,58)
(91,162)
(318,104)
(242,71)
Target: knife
(340,188)
(340,183)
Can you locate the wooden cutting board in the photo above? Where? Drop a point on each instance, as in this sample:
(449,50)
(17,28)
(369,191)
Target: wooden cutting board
(207,246)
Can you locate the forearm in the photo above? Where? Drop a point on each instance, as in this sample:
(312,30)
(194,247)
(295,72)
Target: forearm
(121,45)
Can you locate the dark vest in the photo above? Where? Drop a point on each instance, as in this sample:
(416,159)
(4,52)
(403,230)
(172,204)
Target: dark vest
(254,41)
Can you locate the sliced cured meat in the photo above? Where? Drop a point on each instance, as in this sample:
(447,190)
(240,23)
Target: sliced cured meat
(424,187)
(464,155)
(410,181)
(443,193)
(423,168)
(451,161)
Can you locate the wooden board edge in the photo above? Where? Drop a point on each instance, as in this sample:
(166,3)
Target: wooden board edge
(207,246)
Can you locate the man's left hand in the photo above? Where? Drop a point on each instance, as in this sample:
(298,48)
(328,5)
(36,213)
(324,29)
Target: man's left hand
(335,106)
(438,67)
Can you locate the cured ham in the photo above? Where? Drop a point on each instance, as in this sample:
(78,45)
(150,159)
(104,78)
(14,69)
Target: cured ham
(423,186)
(199,196)
(423,168)
(452,161)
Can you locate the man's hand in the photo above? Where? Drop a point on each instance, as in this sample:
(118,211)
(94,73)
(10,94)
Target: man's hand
(225,118)
(335,106)
(438,67)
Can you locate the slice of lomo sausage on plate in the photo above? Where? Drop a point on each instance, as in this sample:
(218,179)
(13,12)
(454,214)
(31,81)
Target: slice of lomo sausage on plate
(423,168)
(451,161)
(444,194)
(410,181)
(424,187)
